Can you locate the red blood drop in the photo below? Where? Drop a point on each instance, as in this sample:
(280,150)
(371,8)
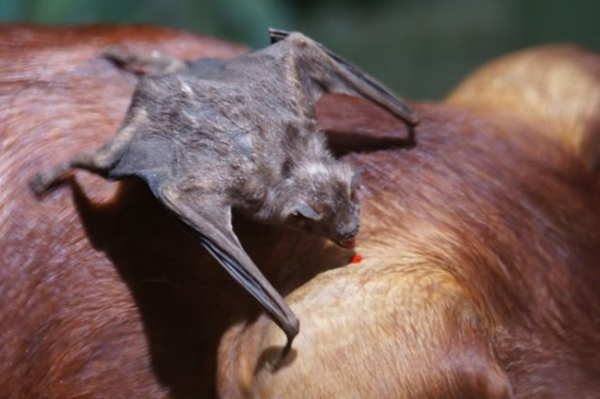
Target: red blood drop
(356,258)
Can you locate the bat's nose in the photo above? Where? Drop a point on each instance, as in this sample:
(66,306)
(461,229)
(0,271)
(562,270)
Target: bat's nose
(350,230)
(348,234)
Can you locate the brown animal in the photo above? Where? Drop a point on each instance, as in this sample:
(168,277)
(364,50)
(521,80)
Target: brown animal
(480,243)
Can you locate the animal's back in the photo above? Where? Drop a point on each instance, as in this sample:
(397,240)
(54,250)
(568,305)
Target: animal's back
(479,278)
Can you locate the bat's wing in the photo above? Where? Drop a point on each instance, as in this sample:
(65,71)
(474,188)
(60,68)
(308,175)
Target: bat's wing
(334,74)
(211,219)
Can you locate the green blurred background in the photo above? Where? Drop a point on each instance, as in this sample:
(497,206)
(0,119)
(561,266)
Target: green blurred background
(420,48)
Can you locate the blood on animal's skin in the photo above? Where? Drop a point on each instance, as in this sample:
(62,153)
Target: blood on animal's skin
(356,258)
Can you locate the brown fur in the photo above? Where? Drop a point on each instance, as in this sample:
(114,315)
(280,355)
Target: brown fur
(481,262)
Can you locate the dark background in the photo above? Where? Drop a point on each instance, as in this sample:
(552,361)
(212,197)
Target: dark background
(420,48)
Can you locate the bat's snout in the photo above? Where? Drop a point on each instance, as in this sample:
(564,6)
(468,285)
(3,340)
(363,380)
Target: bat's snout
(346,234)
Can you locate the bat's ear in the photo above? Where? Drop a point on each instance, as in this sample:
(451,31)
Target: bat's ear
(306,211)
(277,35)
(356,178)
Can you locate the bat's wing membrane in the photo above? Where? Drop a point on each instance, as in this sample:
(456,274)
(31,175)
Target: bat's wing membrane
(340,76)
(212,221)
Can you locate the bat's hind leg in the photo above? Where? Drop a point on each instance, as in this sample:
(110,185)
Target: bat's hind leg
(153,63)
(97,162)
(100,161)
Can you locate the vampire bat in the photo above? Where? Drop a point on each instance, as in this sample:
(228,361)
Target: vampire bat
(210,135)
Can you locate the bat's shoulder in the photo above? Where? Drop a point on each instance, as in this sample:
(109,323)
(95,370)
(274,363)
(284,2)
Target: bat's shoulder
(164,86)
(183,90)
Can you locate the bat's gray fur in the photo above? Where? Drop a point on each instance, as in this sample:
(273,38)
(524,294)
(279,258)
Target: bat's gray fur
(211,135)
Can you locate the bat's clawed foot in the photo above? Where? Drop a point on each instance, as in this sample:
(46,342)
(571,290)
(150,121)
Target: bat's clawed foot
(42,181)
(153,63)
(286,356)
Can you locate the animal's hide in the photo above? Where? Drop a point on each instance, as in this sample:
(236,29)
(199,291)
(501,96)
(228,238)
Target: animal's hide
(480,246)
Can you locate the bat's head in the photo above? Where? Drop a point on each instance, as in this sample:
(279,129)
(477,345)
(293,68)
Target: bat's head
(324,201)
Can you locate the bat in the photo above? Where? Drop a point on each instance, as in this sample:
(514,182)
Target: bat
(212,135)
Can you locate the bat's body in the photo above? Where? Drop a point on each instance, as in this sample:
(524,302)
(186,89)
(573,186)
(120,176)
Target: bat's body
(211,135)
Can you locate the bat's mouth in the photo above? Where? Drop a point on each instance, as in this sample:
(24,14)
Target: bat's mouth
(351,243)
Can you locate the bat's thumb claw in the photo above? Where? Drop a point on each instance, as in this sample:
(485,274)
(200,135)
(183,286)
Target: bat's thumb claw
(291,329)
(285,355)
(40,183)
